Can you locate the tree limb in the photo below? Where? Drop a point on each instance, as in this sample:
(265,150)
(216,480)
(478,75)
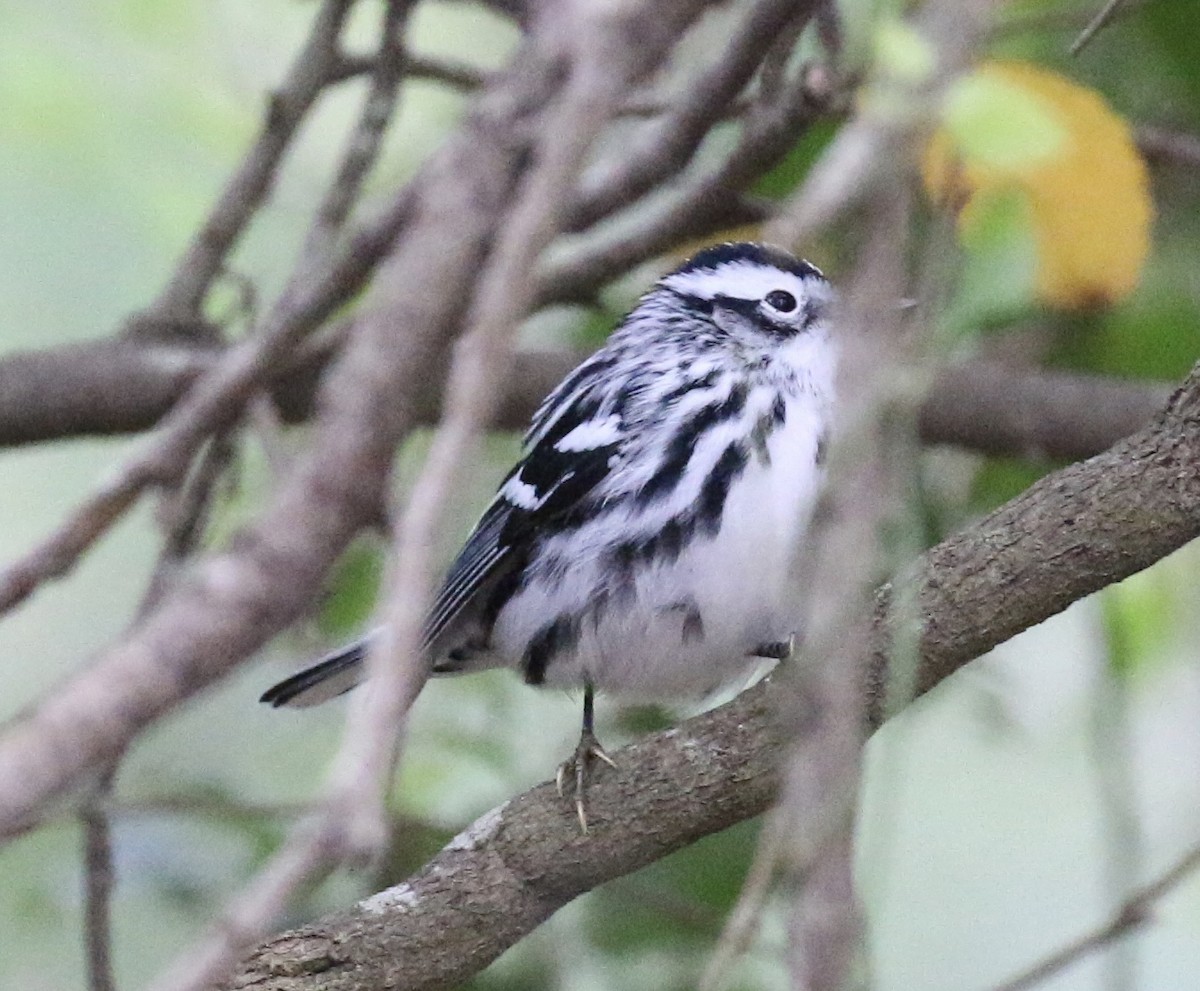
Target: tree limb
(1072,533)
(118,386)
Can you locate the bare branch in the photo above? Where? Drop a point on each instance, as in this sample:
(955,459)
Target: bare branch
(743,920)
(98,880)
(1134,913)
(182,515)
(314,68)
(115,386)
(674,139)
(821,704)
(112,386)
(364,144)
(1103,16)
(456,75)
(1041,415)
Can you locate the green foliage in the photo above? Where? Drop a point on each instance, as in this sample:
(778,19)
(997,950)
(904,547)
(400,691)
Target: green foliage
(1156,336)
(782,180)
(999,267)
(998,124)
(353,591)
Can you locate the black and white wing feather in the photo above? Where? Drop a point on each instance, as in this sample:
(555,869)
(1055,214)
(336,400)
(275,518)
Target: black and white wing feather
(569,451)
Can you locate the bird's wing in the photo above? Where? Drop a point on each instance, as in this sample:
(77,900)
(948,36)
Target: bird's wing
(569,449)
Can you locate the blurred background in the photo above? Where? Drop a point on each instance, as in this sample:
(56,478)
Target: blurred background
(1003,815)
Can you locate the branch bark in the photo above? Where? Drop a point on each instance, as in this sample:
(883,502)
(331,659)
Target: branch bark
(1068,535)
(120,386)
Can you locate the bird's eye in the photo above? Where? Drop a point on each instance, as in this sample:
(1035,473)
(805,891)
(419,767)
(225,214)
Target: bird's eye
(779,300)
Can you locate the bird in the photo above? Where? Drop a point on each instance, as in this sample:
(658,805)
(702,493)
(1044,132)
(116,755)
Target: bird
(645,543)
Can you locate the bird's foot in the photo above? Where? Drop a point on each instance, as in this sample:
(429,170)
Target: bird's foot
(578,767)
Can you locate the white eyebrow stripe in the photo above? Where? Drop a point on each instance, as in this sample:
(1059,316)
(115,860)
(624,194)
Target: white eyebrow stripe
(739,280)
(591,434)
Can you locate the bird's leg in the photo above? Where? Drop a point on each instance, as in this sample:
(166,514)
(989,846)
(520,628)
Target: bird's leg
(577,766)
(776,650)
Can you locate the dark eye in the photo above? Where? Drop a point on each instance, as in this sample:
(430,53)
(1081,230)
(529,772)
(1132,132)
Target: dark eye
(779,300)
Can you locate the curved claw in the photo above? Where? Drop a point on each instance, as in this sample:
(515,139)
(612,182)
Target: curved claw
(578,766)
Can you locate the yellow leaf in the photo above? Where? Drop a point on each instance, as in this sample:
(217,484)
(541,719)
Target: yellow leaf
(1011,126)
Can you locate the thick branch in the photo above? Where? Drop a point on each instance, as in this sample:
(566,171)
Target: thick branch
(1068,535)
(121,386)
(998,409)
(519,863)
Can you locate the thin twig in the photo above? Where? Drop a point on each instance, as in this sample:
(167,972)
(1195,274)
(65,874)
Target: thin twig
(313,69)
(201,805)
(1111,744)
(364,143)
(703,206)
(183,517)
(1102,18)
(1134,912)
(671,141)
(746,914)
(1065,16)
(98,878)
(456,75)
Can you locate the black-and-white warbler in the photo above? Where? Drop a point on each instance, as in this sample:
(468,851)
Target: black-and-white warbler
(645,543)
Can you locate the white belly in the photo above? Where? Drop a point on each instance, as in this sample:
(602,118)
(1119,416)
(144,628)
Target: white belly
(689,626)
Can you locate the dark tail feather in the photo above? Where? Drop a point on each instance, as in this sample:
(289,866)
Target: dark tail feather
(333,675)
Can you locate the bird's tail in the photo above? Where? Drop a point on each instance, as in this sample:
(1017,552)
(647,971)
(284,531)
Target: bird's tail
(333,675)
